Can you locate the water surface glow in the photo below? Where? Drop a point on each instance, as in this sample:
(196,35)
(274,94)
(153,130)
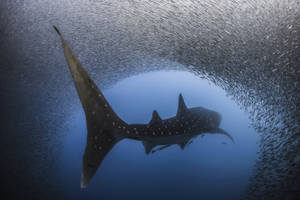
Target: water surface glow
(212,167)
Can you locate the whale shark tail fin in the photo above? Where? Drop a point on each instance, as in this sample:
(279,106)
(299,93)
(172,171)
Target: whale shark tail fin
(102,122)
(96,149)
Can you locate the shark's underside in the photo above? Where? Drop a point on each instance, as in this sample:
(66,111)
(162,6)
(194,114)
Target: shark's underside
(105,128)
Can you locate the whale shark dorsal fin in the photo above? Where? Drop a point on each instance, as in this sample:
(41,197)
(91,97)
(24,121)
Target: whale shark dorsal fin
(155,118)
(181,106)
(148,146)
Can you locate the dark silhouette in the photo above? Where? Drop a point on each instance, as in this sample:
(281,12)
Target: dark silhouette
(105,128)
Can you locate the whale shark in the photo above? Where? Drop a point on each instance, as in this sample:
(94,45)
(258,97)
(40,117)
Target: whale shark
(105,128)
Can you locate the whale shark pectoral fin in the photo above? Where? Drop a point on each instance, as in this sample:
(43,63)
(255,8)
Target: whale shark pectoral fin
(181,106)
(182,145)
(148,146)
(161,148)
(155,118)
(221,131)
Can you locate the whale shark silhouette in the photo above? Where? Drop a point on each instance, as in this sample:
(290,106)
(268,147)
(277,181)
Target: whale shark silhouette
(105,128)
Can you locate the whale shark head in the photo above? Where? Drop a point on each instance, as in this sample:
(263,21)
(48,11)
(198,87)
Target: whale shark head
(199,120)
(211,118)
(197,117)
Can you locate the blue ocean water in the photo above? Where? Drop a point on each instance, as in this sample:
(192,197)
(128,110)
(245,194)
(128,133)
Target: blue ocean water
(210,168)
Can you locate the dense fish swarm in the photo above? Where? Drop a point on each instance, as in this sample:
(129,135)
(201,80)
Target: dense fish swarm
(249,48)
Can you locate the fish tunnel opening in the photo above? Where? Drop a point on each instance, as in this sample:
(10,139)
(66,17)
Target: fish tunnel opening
(248,48)
(206,165)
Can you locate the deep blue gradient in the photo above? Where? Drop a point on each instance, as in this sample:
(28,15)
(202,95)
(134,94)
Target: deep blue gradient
(211,168)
